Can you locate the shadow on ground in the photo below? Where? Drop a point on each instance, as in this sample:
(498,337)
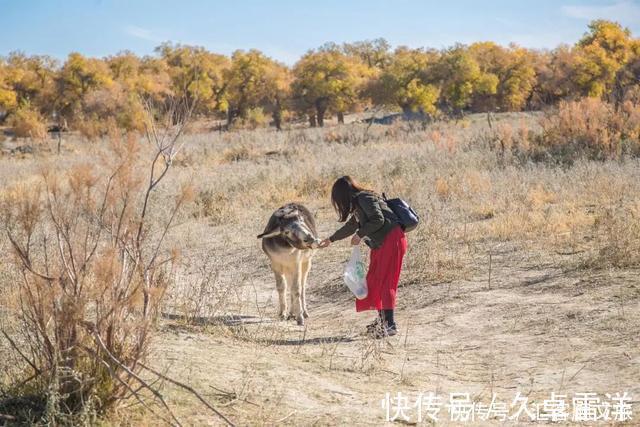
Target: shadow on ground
(226,320)
(308,341)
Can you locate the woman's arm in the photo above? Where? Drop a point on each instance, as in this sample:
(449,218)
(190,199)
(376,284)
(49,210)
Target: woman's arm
(375,219)
(346,230)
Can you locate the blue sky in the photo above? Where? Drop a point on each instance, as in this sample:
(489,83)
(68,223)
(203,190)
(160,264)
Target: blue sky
(285,29)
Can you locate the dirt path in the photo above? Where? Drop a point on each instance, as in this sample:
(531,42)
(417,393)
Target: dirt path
(536,330)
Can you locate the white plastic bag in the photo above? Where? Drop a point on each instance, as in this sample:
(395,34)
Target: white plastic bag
(355,274)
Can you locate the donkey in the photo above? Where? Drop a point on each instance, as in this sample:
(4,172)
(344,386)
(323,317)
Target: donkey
(290,240)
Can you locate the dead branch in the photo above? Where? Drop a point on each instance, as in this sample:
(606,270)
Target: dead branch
(189,389)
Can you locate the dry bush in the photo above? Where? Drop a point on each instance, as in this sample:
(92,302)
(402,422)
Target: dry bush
(237,154)
(213,205)
(591,127)
(442,188)
(201,295)
(94,270)
(28,123)
(617,237)
(90,289)
(352,135)
(93,127)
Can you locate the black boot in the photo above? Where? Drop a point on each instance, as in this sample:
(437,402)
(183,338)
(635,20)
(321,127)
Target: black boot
(390,323)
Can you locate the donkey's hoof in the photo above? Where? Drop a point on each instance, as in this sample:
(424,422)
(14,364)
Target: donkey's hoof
(305,314)
(300,321)
(284,316)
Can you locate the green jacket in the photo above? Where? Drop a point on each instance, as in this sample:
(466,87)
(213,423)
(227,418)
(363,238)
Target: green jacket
(371,220)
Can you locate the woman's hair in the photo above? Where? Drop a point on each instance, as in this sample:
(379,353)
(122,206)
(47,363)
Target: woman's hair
(342,196)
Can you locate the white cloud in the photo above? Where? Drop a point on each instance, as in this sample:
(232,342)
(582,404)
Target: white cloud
(624,12)
(141,33)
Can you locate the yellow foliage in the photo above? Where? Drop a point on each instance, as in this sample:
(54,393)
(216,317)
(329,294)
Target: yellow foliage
(27,122)
(331,80)
(328,80)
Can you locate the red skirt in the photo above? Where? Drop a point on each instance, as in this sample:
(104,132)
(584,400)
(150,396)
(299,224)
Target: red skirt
(383,276)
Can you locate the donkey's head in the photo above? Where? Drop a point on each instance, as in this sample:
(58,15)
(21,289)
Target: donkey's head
(293,225)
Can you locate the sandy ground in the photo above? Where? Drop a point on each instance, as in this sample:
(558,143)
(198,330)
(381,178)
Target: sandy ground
(533,329)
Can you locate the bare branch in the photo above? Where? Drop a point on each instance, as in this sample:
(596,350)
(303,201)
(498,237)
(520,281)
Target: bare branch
(189,389)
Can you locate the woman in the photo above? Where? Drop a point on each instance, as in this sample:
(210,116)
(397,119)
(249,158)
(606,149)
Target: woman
(369,217)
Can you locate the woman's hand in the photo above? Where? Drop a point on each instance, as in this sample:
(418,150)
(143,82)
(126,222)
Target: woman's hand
(324,243)
(355,240)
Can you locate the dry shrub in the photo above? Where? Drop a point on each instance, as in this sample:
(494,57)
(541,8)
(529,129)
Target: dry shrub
(237,154)
(591,127)
(348,135)
(93,127)
(539,196)
(435,255)
(94,270)
(617,237)
(442,188)
(90,292)
(475,182)
(481,211)
(537,221)
(508,139)
(505,137)
(310,186)
(199,295)
(213,205)
(28,123)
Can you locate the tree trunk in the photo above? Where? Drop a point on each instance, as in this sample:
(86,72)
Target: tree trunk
(277,119)
(321,108)
(230,118)
(277,116)
(341,117)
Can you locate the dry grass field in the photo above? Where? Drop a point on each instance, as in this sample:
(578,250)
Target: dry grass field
(522,277)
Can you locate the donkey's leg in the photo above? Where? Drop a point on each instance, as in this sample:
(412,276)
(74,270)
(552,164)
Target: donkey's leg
(306,266)
(290,280)
(281,286)
(296,294)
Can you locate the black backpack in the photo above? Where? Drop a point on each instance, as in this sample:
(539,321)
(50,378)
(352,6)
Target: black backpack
(408,218)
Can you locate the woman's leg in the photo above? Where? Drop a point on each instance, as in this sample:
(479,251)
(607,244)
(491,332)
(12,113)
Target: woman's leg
(389,321)
(392,250)
(390,273)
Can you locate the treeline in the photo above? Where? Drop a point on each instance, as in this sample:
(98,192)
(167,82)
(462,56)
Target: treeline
(250,89)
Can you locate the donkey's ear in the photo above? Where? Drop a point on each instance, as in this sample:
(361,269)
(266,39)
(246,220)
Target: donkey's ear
(268,234)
